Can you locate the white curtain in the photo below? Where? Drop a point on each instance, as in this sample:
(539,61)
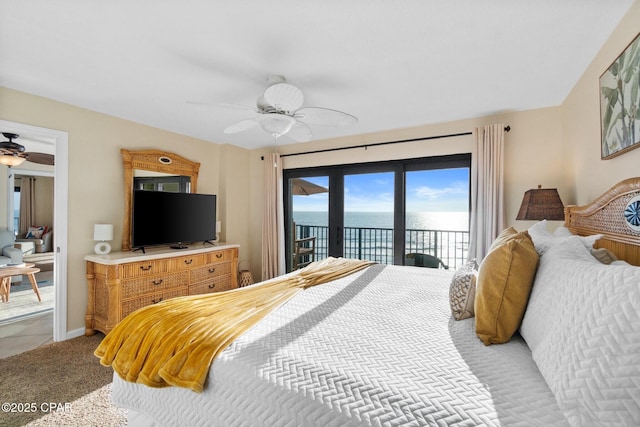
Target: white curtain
(27,204)
(273,255)
(487,189)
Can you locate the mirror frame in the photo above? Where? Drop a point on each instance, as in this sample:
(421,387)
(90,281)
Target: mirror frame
(156,161)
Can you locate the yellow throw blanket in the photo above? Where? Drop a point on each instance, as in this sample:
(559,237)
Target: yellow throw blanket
(174,342)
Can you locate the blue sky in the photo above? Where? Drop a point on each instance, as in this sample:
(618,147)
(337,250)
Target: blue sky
(441,190)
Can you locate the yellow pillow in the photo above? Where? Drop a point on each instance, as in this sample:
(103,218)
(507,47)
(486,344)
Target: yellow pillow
(503,286)
(506,235)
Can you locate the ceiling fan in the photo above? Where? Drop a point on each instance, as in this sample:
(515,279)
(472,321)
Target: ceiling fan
(279,113)
(13,154)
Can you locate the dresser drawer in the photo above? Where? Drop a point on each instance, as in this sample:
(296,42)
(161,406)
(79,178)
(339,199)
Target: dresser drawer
(187,262)
(220,256)
(218,284)
(210,271)
(156,283)
(144,268)
(129,306)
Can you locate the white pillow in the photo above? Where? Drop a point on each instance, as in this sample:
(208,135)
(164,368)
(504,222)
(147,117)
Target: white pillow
(543,239)
(582,325)
(562,232)
(619,262)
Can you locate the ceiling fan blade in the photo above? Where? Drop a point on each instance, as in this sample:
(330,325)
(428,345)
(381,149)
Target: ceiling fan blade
(232,106)
(241,126)
(284,97)
(300,132)
(325,116)
(40,158)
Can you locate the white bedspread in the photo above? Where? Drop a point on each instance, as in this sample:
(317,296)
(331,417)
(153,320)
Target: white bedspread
(377,348)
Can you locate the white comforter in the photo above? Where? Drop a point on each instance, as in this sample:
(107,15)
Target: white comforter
(377,348)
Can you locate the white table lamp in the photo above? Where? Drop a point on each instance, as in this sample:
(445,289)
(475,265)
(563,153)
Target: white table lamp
(102,233)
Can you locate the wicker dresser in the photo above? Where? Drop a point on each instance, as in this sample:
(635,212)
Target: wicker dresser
(122,282)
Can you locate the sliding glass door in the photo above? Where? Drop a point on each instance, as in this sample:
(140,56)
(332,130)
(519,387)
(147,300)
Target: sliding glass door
(436,217)
(396,212)
(368,216)
(308,220)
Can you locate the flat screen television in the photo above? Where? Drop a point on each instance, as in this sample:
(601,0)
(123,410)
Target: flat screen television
(172,219)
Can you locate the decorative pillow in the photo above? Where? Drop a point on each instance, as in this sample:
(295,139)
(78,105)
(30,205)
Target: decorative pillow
(504,282)
(604,255)
(36,232)
(462,291)
(506,235)
(543,239)
(582,326)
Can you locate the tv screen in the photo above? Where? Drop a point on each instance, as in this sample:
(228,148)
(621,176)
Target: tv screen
(163,218)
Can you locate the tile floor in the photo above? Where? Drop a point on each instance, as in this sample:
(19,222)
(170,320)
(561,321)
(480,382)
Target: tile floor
(27,334)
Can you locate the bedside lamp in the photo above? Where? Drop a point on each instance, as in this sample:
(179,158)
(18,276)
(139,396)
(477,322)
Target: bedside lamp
(102,233)
(541,203)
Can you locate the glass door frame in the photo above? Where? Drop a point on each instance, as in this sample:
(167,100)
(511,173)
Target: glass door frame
(336,174)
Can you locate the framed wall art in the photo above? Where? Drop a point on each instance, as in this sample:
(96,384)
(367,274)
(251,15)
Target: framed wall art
(620,103)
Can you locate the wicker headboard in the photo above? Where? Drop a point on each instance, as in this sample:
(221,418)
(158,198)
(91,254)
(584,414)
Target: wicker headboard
(616,215)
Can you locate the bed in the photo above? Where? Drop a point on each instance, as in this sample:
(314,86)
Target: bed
(381,347)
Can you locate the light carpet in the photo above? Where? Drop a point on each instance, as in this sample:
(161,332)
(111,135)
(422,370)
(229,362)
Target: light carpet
(63,384)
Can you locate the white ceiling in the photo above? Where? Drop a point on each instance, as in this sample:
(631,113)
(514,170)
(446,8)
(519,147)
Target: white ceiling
(393,64)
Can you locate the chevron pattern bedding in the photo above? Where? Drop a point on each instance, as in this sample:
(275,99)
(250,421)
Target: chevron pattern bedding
(378,348)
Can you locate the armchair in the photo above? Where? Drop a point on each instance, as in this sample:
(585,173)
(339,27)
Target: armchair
(43,244)
(10,254)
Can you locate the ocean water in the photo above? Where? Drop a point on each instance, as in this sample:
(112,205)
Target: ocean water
(447,221)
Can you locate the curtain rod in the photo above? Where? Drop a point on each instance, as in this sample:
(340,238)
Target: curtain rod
(365,146)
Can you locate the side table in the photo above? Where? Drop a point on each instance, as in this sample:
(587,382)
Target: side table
(5,279)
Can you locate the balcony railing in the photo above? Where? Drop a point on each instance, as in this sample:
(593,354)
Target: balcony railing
(376,244)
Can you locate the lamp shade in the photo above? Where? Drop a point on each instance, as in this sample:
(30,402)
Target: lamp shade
(541,203)
(103,232)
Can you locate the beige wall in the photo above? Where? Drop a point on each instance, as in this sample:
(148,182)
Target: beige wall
(96,178)
(581,122)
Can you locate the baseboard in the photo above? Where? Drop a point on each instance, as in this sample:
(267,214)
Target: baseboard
(75,333)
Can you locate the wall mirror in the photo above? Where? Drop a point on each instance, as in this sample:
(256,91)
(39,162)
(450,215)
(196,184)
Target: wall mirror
(154,170)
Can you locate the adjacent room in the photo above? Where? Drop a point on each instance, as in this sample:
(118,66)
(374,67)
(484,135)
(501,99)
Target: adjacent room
(364,213)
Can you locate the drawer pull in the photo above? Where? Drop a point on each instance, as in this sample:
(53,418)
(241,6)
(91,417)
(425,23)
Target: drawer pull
(157,282)
(143,268)
(211,286)
(219,255)
(188,261)
(212,270)
(155,301)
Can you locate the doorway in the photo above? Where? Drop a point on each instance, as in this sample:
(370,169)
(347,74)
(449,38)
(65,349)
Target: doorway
(32,222)
(60,140)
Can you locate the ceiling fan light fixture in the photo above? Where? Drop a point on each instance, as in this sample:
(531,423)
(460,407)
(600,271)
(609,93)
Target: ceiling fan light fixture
(277,124)
(11,160)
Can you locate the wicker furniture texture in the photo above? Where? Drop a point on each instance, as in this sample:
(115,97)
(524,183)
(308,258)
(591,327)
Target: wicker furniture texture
(121,283)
